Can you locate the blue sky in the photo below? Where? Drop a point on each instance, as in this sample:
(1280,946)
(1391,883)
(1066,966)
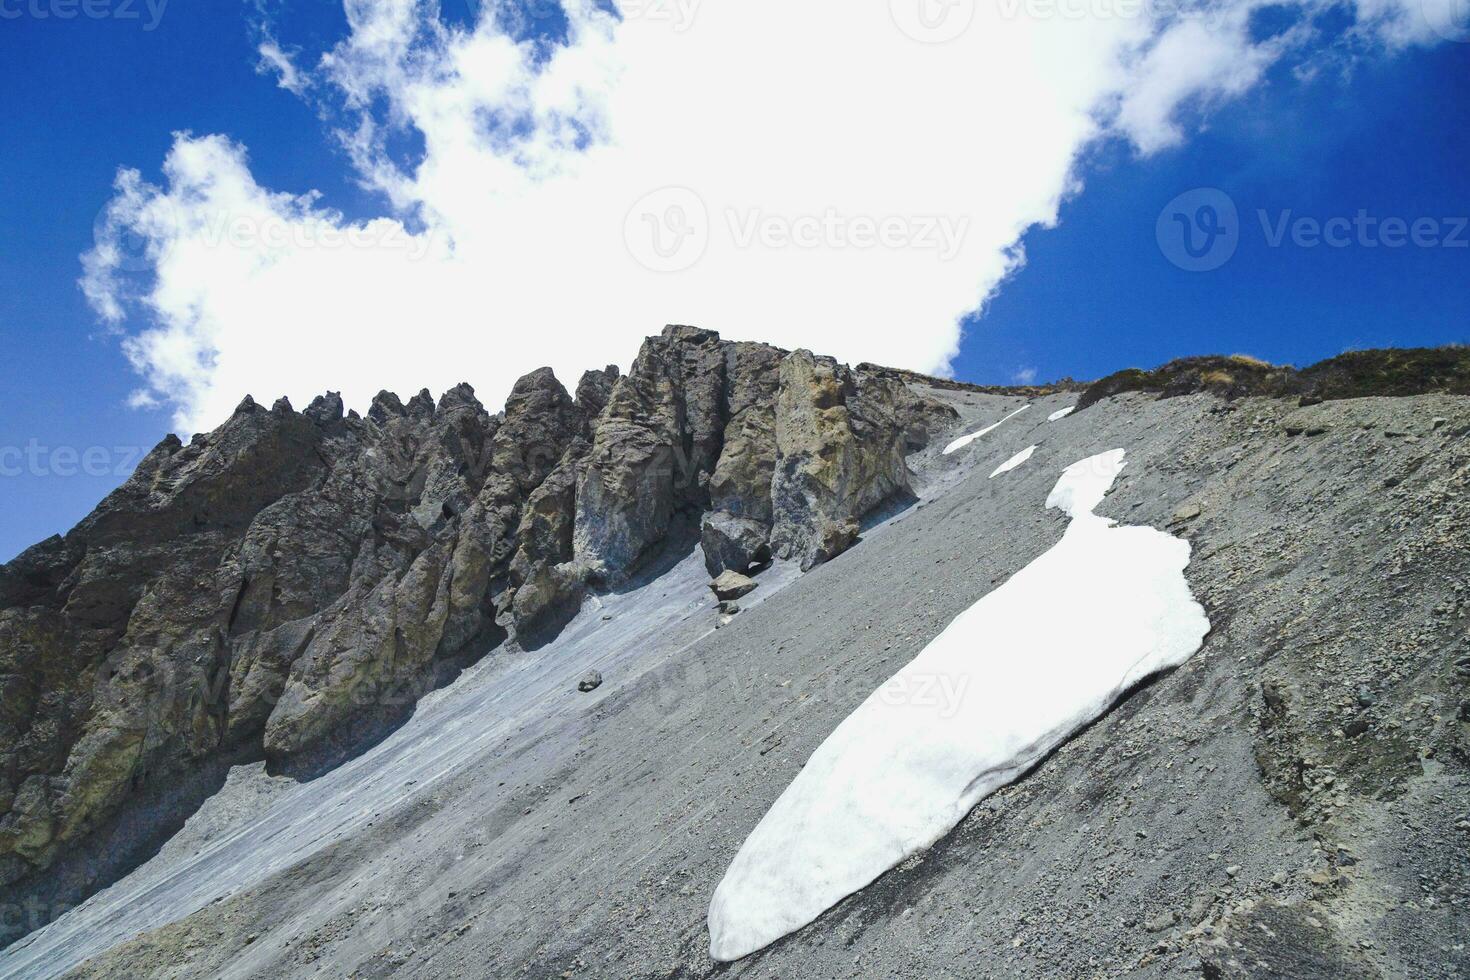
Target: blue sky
(1392,139)
(1386,135)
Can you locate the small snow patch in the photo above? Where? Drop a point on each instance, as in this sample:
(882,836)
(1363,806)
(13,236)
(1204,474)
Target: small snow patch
(1009,680)
(1015,461)
(1058,416)
(964,441)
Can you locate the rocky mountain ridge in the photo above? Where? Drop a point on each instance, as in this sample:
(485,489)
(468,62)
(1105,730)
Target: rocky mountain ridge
(291,585)
(292,582)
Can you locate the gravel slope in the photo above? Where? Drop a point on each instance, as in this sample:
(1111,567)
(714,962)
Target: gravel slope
(1285,804)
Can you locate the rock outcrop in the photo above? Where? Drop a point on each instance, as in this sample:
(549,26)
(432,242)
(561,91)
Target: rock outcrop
(637,471)
(1355,374)
(292,582)
(839,454)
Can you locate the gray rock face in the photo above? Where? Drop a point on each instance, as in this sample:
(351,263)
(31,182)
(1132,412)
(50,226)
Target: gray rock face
(625,491)
(840,453)
(741,484)
(734,543)
(291,583)
(541,424)
(594,391)
(738,531)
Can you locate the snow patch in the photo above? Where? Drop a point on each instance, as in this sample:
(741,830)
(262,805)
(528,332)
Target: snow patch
(1058,416)
(1015,461)
(1010,679)
(964,441)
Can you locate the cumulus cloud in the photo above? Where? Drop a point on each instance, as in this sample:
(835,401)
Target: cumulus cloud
(853,178)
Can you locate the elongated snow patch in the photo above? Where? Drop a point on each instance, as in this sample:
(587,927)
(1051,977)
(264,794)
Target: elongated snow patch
(1058,416)
(964,441)
(1010,679)
(1017,460)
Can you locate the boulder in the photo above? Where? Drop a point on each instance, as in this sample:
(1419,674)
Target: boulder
(591,682)
(732,585)
(734,543)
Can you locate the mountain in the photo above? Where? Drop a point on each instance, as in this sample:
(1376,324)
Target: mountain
(307,688)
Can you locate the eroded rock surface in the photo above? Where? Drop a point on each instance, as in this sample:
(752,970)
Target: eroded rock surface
(839,454)
(291,583)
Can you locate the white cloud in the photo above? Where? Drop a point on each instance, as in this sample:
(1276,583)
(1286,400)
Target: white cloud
(809,174)
(1204,58)
(274,60)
